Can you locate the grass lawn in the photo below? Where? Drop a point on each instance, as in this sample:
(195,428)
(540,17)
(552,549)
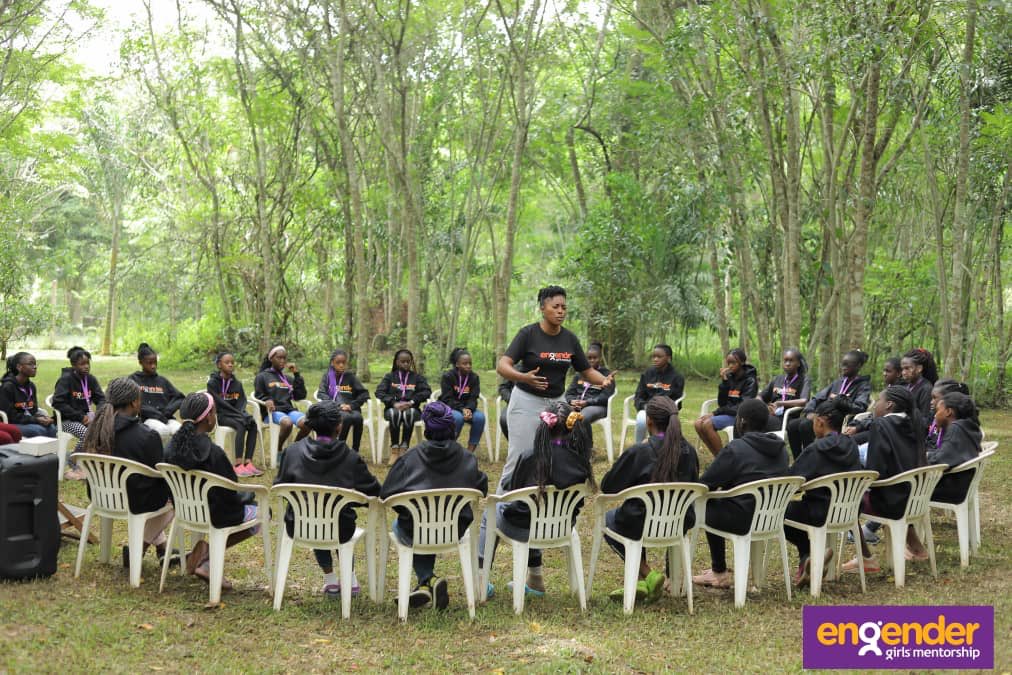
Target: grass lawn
(98,622)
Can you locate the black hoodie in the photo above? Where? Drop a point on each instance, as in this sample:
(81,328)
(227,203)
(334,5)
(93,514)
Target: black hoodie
(894,446)
(69,399)
(227,506)
(348,390)
(565,471)
(433,465)
(230,400)
(857,396)
(450,394)
(753,456)
(416,389)
(333,464)
(960,443)
(284,390)
(653,382)
(20,403)
(141,444)
(159,399)
(635,466)
(830,454)
(580,388)
(732,391)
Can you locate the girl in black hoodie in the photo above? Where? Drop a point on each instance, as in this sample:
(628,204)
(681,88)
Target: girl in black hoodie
(958,441)
(279,394)
(752,455)
(789,390)
(159,399)
(19,399)
(851,387)
(191,448)
(591,400)
(738,382)
(327,460)
(339,384)
(459,388)
(659,380)
(230,404)
(402,392)
(831,452)
(664,457)
(77,395)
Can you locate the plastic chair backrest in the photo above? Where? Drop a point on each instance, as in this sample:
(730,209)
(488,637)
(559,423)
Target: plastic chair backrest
(666,505)
(107,478)
(434,513)
(988,446)
(771,498)
(976,465)
(922,483)
(551,512)
(317,509)
(846,489)
(189,492)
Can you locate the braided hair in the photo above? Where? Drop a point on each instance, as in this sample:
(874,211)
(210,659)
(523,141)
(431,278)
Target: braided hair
(753,415)
(963,406)
(739,354)
(393,366)
(802,363)
(555,425)
(325,418)
(14,360)
(834,411)
(926,361)
(100,437)
(903,402)
(664,414)
(948,385)
(194,410)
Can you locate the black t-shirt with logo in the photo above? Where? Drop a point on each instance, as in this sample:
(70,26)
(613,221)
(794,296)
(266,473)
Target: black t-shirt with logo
(553,354)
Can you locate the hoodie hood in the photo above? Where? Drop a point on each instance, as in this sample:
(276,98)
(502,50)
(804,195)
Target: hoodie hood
(440,456)
(141,375)
(323,457)
(967,427)
(122,422)
(747,371)
(765,444)
(9,377)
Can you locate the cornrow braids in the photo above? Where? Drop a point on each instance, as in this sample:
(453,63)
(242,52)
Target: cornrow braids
(324,417)
(578,441)
(947,385)
(834,410)
(923,358)
(100,437)
(184,441)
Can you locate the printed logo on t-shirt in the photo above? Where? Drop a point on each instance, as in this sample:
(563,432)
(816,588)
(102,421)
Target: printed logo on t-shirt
(735,393)
(152,390)
(659,385)
(561,357)
(467,389)
(24,405)
(779,391)
(232,396)
(278,384)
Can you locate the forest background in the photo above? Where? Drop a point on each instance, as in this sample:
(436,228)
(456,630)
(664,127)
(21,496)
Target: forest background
(372,174)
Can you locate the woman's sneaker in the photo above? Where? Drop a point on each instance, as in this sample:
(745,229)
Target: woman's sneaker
(421,596)
(241,470)
(252,471)
(442,593)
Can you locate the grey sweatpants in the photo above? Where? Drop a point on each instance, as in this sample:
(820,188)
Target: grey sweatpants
(522,421)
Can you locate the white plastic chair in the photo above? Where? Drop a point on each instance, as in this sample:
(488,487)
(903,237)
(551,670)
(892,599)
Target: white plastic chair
(107,479)
(846,489)
(922,482)
(271,449)
(317,510)
(65,439)
(552,526)
(193,513)
(605,424)
(223,435)
(771,498)
(709,405)
(967,512)
(666,506)
(629,417)
(987,446)
(788,413)
(487,433)
(434,514)
(383,428)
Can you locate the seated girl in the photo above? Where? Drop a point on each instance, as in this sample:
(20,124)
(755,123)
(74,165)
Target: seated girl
(76,396)
(895,445)
(661,379)
(738,382)
(851,387)
(402,400)
(940,389)
(192,449)
(752,455)
(789,390)
(561,458)
(858,429)
(117,430)
(230,403)
(831,452)
(588,399)
(160,399)
(19,399)
(340,384)
(958,440)
(920,374)
(664,457)
(439,462)
(459,388)
(327,460)
(279,393)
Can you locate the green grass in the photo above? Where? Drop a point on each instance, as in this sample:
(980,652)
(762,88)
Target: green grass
(97,622)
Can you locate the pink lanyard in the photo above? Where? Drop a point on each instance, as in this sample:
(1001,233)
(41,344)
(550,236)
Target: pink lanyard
(284,379)
(225,386)
(461,385)
(783,391)
(847,382)
(403,378)
(586,388)
(85,391)
(28,394)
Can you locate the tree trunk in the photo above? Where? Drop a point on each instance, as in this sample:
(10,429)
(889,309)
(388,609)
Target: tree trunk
(110,304)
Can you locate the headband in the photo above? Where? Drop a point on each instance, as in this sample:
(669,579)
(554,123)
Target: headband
(207,410)
(548,418)
(274,351)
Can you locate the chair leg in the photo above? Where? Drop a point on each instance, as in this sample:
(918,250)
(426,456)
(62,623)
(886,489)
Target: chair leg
(609,442)
(742,550)
(786,565)
(216,551)
(757,558)
(370,558)
(265,531)
(467,570)
(595,549)
(345,559)
(576,569)
(898,546)
(165,563)
(284,559)
(633,553)
(963,533)
(84,540)
(105,540)
(674,559)
(817,560)
(135,546)
(381,563)
(485,573)
(929,543)
(520,550)
(685,578)
(404,555)
(975,533)
(837,545)
(857,546)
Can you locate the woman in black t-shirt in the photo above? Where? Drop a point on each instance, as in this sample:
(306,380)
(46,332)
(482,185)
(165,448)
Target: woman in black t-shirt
(538,361)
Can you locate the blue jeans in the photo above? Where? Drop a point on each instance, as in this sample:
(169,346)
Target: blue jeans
(32,430)
(477,425)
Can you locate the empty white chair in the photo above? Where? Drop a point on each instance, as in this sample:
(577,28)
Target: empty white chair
(434,514)
(922,482)
(552,526)
(967,512)
(666,505)
(107,479)
(771,498)
(193,514)
(629,418)
(316,510)
(846,489)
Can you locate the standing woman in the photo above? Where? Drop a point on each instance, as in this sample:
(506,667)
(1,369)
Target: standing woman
(19,399)
(537,360)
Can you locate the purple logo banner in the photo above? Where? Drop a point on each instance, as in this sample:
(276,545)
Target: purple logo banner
(910,637)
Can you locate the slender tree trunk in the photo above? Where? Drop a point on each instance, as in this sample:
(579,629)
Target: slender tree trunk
(110,304)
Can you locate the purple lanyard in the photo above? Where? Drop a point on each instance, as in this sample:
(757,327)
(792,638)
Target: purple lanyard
(847,382)
(783,390)
(85,391)
(939,433)
(283,378)
(461,385)
(910,387)
(27,392)
(403,378)
(225,386)
(323,439)
(334,386)
(586,388)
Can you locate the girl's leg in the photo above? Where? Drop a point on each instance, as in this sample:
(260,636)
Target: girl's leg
(458,421)
(33,430)
(325,559)
(285,424)
(393,416)
(154,528)
(353,423)
(477,428)
(707,434)
(593,413)
(408,419)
